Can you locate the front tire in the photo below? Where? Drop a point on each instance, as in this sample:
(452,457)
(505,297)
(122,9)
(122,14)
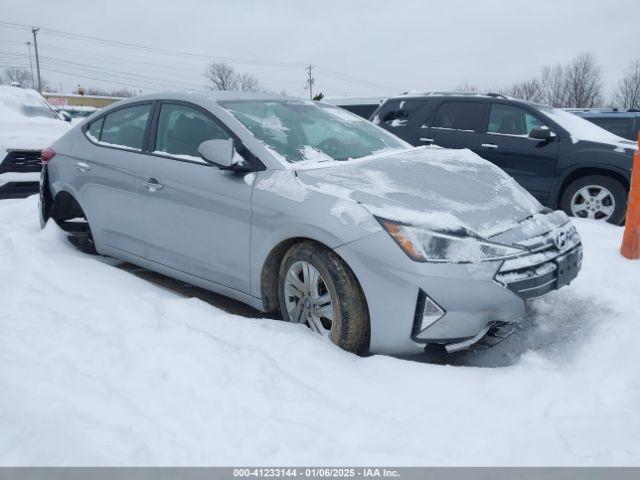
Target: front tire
(316,287)
(596,197)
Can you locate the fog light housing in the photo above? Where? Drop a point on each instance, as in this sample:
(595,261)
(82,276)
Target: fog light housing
(428,312)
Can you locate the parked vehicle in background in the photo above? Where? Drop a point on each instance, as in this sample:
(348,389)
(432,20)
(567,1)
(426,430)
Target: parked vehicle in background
(563,160)
(624,123)
(363,107)
(27,125)
(302,207)
(77,112)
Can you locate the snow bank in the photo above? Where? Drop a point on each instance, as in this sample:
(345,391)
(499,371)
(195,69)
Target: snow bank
(99,367)
(26,120)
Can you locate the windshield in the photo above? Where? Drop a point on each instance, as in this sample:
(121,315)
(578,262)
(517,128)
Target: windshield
(578,127)
(23,102)
(302,130)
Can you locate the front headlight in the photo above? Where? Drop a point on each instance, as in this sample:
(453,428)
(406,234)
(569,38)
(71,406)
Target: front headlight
(424,245)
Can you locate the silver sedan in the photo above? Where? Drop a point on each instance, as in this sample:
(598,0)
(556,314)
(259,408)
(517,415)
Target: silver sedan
(302,207)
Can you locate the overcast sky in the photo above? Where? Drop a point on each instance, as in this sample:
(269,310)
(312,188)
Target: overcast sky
(360,48)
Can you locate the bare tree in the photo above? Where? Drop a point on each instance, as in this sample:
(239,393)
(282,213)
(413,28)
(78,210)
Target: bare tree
(20,76)
(122,92)
(528,90)
(628,94)
(223,77)
(553,85)
(583,82)
(248,83)
(467,87)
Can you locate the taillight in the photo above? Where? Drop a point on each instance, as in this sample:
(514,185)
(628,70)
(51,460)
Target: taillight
(47,154)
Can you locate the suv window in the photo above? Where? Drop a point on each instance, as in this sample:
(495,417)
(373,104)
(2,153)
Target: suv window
(124,127)
(618,126)
(181,130)
(510,120)
(397,113)
(459,116)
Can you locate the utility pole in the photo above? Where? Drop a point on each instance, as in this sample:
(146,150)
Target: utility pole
(35,44)
(33,80)
(309,70)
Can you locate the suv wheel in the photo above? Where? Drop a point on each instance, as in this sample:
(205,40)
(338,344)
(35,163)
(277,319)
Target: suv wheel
(316,287)
(597,197)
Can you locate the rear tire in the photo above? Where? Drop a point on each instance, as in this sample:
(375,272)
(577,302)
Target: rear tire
(348,326)
(84,243)
(596,196)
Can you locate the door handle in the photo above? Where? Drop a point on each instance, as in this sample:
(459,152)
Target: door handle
(82,167)
(490,145)
(152,185)
(426,140)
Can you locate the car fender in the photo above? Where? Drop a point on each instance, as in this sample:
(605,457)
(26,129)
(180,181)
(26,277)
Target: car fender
(599,168)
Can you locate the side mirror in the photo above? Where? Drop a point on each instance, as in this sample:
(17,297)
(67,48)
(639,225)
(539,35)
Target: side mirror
(218,152)
(65,115)
(542,133)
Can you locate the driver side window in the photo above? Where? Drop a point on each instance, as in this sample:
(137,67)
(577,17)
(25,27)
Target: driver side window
(510,120)
(181,130)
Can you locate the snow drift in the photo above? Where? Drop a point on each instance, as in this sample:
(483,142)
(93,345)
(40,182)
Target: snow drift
(99,367)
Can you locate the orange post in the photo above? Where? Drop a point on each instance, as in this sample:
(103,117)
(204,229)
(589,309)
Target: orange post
(631,239)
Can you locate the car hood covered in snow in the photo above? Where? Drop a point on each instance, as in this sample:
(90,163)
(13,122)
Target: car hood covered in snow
(438,188)
(27,121)
(30,136)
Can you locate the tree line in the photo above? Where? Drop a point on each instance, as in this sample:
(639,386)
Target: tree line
(575,84)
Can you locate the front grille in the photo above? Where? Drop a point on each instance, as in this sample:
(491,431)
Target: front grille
(534,275)
(22,161)
(18,189)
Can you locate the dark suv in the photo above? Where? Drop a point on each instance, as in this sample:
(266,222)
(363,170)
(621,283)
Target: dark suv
(563,160)
(624,123)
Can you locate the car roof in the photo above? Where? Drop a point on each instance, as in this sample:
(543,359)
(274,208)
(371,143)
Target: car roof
(604,112)
(422,94)
(214,95)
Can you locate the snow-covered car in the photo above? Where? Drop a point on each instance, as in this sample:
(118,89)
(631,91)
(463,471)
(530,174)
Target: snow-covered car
(305,208)
(27,125)
(76,112)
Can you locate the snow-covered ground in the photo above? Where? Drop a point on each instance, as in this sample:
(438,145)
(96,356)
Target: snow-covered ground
(98,366)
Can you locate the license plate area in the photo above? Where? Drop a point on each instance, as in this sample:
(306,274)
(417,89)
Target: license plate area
(568,267)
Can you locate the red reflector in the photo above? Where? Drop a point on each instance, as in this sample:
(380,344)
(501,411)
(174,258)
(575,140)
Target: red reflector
(47,154)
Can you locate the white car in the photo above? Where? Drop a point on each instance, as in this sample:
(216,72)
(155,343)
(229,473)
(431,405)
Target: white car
(27,125)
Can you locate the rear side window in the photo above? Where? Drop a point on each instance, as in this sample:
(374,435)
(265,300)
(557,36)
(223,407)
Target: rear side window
(618,126)
(510,120)
(95,129)
(125,127)
(181,130)
(465,116)
(397,113)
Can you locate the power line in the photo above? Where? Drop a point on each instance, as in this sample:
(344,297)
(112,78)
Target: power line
(163,51)
(354,79)
(109,74)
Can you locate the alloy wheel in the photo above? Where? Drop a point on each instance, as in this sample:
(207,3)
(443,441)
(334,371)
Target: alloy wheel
(307,298)
(594,202)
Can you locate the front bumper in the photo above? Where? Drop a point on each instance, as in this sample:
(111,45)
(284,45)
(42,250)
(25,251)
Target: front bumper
(475,299)
(20,173)
(18,185)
